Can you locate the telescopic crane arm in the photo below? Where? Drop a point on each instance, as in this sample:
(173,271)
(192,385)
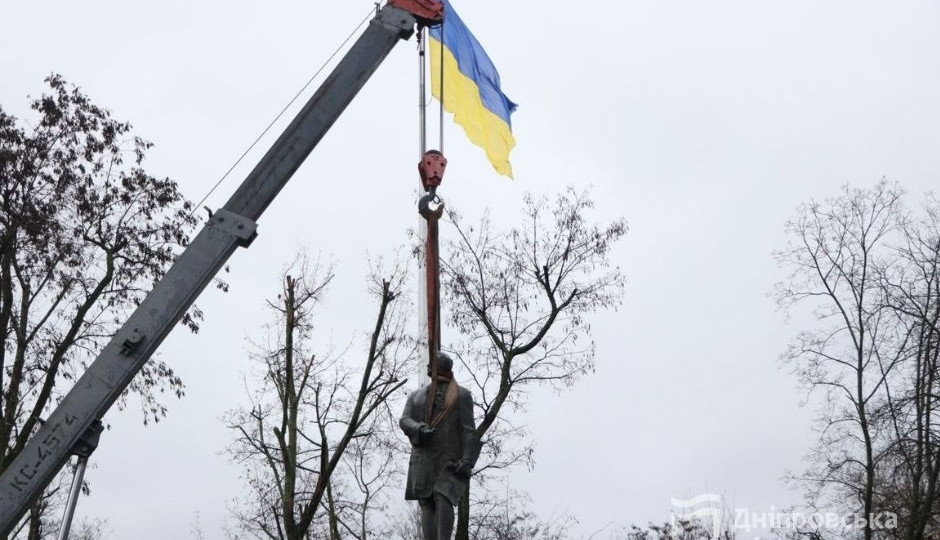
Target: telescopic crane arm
(234,225)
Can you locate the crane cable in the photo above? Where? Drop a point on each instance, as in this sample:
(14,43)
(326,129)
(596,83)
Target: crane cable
(422,94)
(306,85)
(423,38)
(440,75)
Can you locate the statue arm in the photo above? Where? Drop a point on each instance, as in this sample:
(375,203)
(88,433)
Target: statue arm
(407,423)
(417,431)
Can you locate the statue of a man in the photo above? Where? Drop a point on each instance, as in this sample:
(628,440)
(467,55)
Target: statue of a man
(443,451)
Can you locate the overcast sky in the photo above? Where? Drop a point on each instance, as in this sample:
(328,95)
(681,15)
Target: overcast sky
(704,124)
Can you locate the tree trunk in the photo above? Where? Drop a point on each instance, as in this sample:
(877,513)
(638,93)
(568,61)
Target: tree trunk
(463,516)
(331,509)
(35,520)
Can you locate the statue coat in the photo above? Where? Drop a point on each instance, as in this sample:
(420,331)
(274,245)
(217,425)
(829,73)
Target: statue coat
(431,468)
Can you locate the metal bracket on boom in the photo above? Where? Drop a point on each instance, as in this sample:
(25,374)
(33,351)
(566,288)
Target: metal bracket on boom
(238,226)
(426,12)
(133,341)
(89,440)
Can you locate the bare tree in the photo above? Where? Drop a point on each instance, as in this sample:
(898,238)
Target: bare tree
(871,273)
(371,466)
(838,251)
(520,300)
(499,513)
(90,529)
(406,524)
(909,486)
(85,231)
(679,529)
(195,529)
(314,413)
(508,516)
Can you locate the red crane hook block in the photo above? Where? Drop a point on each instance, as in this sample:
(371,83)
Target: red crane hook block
(431,168)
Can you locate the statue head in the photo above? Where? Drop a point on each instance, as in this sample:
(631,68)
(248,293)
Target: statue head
(445,364)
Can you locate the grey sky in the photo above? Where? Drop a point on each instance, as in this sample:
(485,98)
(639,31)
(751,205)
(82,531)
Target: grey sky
(703,123)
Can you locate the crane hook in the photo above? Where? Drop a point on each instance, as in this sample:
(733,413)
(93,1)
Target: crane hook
(424,205)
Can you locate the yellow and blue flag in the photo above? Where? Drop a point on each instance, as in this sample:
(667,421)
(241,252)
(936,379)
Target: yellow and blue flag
(471,89)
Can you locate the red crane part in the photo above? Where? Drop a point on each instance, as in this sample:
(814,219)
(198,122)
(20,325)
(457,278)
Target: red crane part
(431,168)
(428,12)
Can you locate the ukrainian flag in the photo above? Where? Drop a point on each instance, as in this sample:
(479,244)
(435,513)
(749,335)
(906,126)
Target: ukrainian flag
(471,89)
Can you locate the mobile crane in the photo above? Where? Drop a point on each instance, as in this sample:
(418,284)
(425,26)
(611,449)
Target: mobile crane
(73,427)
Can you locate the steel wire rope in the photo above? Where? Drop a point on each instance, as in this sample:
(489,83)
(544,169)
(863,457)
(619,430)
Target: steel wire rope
(306,85)
(440,75)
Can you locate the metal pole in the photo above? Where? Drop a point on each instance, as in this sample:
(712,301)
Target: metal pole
(73,497)
(422,148)
(440,142)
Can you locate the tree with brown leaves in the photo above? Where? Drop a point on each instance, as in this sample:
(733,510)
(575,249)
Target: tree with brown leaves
(85,232)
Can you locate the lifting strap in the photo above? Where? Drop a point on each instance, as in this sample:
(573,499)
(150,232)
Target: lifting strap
(433,281)
(431,168)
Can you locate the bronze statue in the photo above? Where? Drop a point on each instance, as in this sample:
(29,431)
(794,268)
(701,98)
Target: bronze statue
(444,449)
